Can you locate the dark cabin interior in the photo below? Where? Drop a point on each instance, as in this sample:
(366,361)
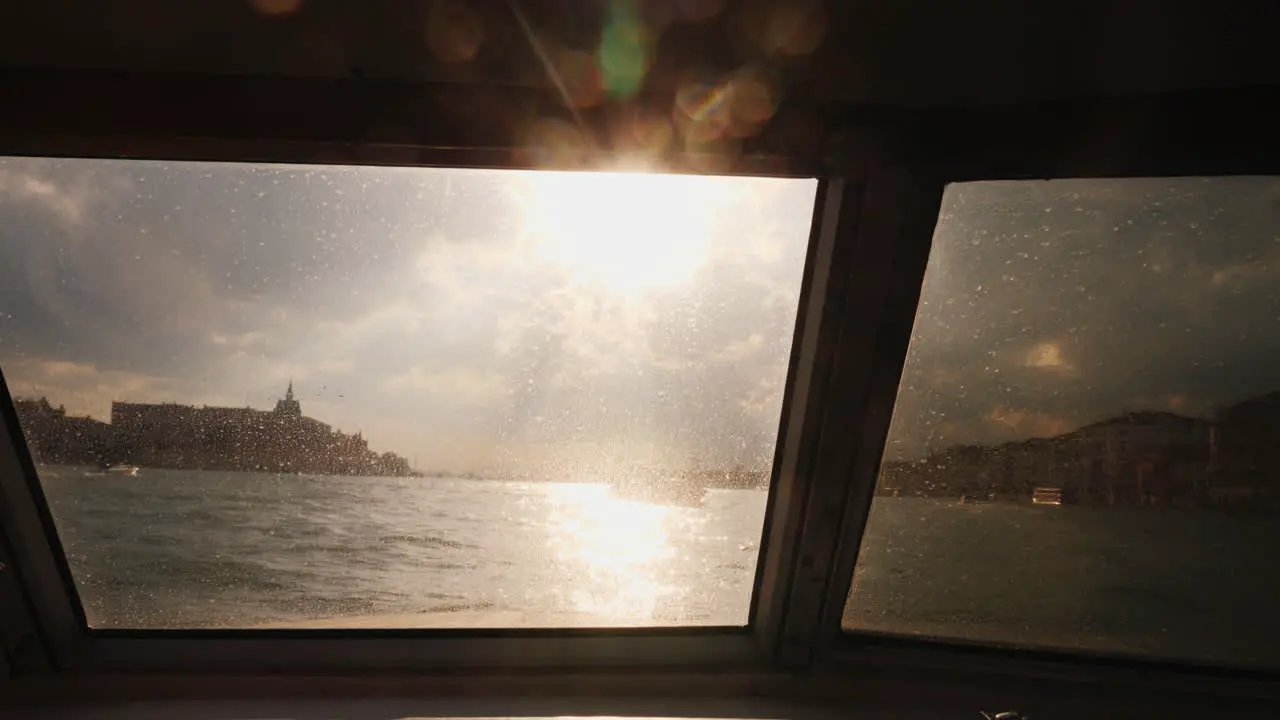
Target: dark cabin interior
(922,93)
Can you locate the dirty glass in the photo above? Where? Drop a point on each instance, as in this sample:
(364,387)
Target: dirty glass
(313,396)
(1083,453)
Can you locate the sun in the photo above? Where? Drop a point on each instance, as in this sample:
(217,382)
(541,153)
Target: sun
(630,233)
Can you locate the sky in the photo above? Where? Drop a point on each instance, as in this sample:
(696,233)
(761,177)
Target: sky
(562,324)
(470,320)
(1048,305)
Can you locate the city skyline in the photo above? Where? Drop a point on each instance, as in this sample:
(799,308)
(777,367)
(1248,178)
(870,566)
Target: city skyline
(474,319)
(177,436)
(478,319)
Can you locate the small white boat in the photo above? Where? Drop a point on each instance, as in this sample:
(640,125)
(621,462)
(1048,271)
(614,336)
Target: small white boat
(126,470)
(1047,496)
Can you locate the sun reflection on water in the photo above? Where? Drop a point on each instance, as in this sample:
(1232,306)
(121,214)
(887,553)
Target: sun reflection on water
(621,548)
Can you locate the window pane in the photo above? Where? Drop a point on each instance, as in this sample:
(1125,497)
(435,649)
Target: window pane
(267,396)
(1084,453)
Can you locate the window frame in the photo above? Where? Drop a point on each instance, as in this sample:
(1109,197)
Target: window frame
(881,177)
(42,606)
(54,607)
(1190,134)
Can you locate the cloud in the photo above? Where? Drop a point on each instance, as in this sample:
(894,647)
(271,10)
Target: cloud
(1048,356)
(1239,276)
(453,385)
(1070,301)
(65,199)
(740,350)
(1030,423)
(409,303)
(64,369)
(241,340)
(86,389)
(333,367)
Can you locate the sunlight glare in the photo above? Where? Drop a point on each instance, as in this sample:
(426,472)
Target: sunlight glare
(629,232)
(620,545)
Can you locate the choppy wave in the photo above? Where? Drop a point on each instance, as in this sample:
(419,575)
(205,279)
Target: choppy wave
(205,549)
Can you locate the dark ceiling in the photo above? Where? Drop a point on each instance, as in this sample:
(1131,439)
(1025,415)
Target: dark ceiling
(907,52)
(772,86)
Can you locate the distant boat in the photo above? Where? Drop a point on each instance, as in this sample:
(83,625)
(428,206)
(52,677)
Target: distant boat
(1047,496)
(670,491)
(110,469)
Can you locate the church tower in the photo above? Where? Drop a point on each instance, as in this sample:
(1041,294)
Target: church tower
(288,406)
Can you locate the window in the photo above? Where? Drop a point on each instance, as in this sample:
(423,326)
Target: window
(270,396)
(1054,314)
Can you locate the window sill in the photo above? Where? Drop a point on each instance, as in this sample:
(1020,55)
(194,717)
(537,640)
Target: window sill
(874,695)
